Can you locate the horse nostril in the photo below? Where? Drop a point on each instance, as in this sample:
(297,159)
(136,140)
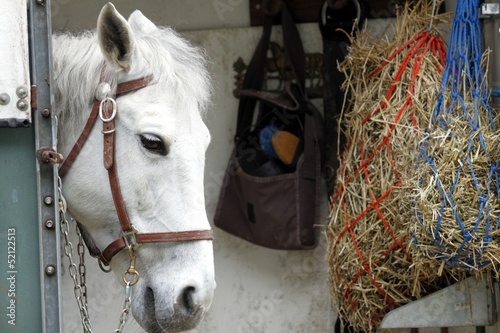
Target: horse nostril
(179,313)
(149,298)
(186,301)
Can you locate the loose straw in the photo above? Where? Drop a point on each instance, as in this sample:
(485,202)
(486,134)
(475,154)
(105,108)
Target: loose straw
(393,85)
(457,183)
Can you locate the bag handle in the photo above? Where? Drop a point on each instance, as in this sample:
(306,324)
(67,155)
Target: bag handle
(254,76)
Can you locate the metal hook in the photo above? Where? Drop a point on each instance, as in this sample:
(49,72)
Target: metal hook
(131,270)
(328,3)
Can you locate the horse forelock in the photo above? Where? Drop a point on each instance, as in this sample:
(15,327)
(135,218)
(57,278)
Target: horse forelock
(77,62)
(175,64)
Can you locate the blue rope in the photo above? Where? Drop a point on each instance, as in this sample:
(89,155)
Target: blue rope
(464,55)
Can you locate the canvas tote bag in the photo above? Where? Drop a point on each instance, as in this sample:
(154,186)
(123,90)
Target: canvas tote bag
(263,200)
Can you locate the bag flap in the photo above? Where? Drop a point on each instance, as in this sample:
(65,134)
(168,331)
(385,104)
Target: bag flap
(285,100)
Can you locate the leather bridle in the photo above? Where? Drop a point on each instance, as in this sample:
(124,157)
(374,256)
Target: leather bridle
(105,107)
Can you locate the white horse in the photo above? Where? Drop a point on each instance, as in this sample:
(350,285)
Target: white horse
(161,140)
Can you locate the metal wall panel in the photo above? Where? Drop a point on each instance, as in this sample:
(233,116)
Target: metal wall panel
(14,65)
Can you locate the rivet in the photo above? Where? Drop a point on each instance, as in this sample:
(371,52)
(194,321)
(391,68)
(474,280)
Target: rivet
(48,200)
(22,92)
(50,270)
(22,104)
(40,2)
(46,113)
(49,224)
(4,99)
(102,91)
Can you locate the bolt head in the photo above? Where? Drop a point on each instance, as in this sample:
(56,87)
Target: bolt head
(22,92)
(49,224)
(48,200)
(50,270)
(22,104)
(4,99)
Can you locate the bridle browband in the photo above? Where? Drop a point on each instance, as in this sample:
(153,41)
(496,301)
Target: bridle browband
(105,107)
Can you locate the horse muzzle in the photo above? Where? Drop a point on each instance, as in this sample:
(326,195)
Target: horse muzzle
(183,310)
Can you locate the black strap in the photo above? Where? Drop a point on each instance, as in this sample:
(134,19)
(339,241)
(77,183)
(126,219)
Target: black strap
(254,76)
(334,26)
(310,138)
(292,45)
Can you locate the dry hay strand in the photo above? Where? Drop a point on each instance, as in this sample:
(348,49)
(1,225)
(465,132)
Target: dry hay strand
(370,268)
(457,187)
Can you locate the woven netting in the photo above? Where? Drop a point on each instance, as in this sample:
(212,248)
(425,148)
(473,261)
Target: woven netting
(393,84)
(457,197)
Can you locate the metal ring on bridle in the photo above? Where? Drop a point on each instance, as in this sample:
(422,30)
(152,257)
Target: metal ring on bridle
(113,114)
(104,268)
(131,271)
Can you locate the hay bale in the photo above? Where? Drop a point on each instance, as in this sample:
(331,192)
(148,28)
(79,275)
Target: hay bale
(393,84)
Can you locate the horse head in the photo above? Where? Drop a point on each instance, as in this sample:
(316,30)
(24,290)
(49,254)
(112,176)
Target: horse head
(160,143)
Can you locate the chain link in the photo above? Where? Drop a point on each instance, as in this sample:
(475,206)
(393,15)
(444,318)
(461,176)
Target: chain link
(78,274)
(126,308)
(81,267)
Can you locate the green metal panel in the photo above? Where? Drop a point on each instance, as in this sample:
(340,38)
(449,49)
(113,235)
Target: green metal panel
(20,294)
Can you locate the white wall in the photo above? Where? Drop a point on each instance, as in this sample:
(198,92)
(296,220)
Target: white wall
(259,290)
(182,14)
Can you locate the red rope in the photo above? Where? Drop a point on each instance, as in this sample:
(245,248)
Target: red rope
(416,49)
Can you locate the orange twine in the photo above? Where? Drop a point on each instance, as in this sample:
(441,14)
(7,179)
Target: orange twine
(418,47)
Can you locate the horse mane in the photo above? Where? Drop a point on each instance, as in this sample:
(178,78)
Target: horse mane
(77,62)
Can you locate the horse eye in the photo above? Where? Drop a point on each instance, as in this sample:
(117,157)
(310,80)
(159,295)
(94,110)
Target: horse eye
(154,144)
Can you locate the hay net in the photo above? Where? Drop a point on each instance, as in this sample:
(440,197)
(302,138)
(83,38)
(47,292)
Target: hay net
(393,83)
(457,198)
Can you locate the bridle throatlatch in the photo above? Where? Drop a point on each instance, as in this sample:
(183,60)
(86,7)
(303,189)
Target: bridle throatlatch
(106,108)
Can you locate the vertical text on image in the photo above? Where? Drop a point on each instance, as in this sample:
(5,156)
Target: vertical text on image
(11,276)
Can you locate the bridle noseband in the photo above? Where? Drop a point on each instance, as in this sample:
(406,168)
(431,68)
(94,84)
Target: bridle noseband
(105,107)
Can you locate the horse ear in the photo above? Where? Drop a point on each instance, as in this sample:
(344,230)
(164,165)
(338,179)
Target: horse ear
(115,37)
(140,24)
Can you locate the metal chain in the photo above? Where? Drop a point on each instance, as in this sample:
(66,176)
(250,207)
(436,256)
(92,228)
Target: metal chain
(78,275)
(126,308)
(81,267)
(80,288)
